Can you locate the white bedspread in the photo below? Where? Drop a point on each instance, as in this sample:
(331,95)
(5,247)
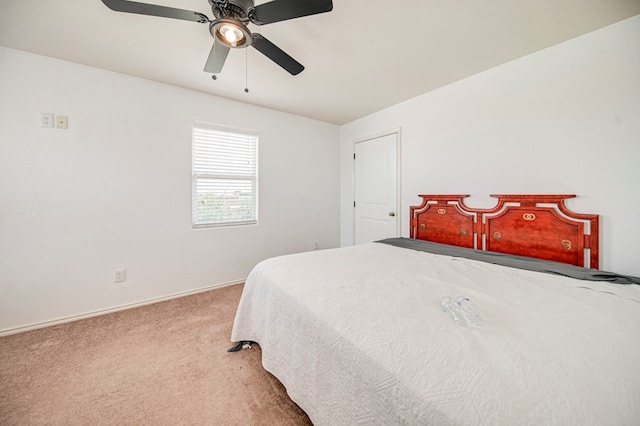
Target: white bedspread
(356,335)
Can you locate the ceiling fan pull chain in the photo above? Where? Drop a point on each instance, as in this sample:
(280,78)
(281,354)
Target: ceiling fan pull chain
(246,71)
(214,77)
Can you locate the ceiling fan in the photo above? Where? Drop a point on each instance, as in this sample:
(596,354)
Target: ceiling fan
(229,28)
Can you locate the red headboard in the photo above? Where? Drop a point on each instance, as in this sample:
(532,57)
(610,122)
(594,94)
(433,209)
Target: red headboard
(538,226)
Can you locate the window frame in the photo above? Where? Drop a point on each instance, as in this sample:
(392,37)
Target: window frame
(198,176)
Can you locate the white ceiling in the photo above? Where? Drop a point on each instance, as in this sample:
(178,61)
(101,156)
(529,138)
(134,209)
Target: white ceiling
(362,57)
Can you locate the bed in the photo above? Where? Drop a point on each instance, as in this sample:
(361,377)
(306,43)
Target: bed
(357,334)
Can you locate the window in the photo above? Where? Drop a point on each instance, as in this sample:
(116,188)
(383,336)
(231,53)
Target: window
(225,183)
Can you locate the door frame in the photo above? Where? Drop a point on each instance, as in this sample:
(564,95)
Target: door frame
(398,133)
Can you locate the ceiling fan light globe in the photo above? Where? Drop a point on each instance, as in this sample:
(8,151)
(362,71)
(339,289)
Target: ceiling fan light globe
(231,33)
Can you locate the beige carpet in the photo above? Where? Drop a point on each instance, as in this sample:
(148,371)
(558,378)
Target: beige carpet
(162,364)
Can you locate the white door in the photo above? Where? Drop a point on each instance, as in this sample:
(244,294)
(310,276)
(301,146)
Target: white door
(376,201)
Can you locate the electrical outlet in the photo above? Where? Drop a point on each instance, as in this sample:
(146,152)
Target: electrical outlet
(46,119)
(119,275)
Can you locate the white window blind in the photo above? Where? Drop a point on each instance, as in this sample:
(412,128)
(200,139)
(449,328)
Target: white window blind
(225,183)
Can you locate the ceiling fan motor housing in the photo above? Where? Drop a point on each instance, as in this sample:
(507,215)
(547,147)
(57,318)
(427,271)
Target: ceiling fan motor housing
(235,9)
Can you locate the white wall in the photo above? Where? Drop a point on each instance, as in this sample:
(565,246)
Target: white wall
(114,190)
(562,120)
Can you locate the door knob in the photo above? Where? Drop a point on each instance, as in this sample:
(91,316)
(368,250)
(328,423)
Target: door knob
(392,214)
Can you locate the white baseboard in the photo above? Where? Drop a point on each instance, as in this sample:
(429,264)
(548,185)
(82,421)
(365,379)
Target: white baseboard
(63,320)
